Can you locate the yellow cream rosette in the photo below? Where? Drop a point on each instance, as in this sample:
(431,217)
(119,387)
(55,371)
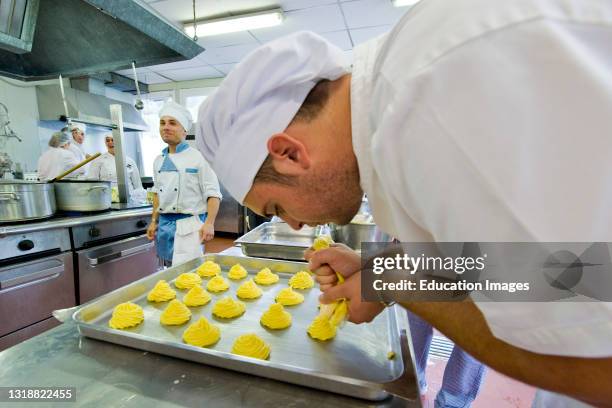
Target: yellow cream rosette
(266,277)
(322,329)
(289,297)
(228,308)
(331,315)
(217,284)
(202,333)
(209,269)
(276,317)
(175,314)
(250,345)
(187,280)
(237,272)
(301,280)
(196,296)
(126,315)
(161,292)
(248,290)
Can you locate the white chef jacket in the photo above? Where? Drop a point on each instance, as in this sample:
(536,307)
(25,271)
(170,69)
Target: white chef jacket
(187,189)
(481,120)
(77,150)
(103,168)
(56,160)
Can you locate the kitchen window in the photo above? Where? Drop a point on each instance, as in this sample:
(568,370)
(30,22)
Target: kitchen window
(150,141)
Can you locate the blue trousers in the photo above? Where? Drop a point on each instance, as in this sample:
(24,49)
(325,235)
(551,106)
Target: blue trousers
(463,373)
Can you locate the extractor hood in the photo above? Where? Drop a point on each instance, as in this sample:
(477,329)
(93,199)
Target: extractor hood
(85,107)
(85,37)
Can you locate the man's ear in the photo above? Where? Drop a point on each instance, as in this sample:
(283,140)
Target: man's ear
(289,154)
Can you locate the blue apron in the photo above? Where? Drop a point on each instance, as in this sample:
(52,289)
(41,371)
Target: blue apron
(166,228)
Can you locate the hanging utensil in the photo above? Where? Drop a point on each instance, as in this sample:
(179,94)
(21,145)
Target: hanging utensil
(195,26)
(139,105)
(61,83)
(81,164)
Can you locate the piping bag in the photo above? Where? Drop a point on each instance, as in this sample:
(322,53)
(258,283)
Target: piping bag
(331,315)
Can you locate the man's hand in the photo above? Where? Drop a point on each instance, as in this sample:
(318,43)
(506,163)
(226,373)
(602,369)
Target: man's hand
(152,230)
(326,262)
(359,312)
(207,232)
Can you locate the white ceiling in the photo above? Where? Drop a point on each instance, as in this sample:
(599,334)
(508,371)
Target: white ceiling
(345,23)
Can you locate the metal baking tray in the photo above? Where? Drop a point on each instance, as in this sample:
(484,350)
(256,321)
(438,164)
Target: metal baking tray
(277,240)
(355,363)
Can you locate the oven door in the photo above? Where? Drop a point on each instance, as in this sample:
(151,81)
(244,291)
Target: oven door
(105,268)
(30,291)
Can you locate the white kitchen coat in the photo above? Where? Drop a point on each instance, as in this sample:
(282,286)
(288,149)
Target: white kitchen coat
(183,182)
(103,168)
(77,150)
(56,160)
(481,120)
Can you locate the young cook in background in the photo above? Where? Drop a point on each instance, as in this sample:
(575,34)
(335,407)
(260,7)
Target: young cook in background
(104,168)
(58,158)
(187,194)
(76,144)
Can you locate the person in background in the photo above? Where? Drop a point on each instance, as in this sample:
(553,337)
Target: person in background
(186,192)
(103,168)
(431,124)
(58,158)
(76,144)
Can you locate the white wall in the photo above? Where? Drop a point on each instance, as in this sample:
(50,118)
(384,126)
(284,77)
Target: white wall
(23,112)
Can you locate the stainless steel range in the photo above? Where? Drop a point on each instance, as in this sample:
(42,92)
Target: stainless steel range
(36,277)
(68,260)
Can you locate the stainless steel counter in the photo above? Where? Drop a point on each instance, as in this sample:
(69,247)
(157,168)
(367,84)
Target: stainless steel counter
(68,221)
(107,375)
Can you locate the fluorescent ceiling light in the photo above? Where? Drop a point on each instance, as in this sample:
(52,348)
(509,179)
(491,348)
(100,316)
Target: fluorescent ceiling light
(233,24)
(403,3)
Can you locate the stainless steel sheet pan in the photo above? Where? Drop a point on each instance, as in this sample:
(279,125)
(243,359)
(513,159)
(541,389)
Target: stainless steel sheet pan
(355,363)
(277,240)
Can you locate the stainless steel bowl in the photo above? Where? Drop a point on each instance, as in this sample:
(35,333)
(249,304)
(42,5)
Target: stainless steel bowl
(354,234)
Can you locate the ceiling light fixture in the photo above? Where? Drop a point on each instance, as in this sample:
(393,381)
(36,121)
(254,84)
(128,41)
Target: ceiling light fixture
(236,23)
(404,3)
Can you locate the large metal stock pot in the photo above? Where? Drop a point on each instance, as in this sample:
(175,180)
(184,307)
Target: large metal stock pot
(83,195)
(26,200)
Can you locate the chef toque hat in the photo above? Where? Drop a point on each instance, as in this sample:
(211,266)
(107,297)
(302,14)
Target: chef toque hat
(178,112)
(259,98)
(80,126)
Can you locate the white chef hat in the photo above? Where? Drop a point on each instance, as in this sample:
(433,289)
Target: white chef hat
(178,112)
(259,98)
(80,126)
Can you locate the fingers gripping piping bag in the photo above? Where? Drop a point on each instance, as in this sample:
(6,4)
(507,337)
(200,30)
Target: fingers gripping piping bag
(331,315)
